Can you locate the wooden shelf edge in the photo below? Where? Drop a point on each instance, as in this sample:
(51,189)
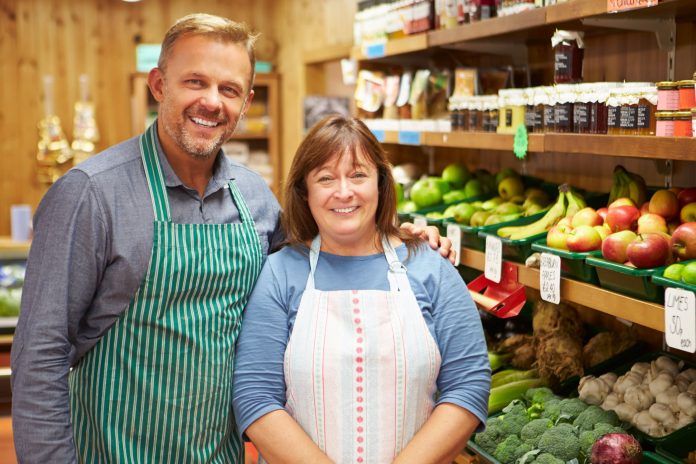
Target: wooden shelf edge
(640,312)
(488,28)
(633,146)
(410,43)
(9,249)
(328,53)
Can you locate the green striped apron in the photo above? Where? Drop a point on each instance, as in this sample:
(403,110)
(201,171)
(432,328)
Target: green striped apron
(157,387)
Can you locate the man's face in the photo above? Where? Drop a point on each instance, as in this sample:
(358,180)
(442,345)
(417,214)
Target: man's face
(202,94)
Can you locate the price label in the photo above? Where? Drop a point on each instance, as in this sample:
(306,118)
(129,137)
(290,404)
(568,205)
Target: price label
(409,138)
(614,6)
(374,50)
(454,233)
(494,258)
(680,319)
(550,278)
(379,135)
(420,221)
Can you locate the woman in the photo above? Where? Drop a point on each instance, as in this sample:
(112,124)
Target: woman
(342,346)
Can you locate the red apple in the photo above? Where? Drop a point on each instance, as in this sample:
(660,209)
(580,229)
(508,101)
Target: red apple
(676,190)
(566,222)
(684,241)
(614,246)
(623,201)
(664,202)
(645,208)
(603,231)
(622,218)
(584,238)
(557,236)
(603,212)
(688,213)
(649,223)
(648,251)
(686,196)
(586,217)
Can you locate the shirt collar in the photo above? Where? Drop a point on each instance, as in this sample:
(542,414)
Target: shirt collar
(222,170)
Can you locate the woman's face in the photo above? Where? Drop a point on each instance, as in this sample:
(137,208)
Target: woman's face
(342,196)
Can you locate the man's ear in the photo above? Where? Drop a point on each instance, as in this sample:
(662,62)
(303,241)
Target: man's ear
(247,103)
(155,80)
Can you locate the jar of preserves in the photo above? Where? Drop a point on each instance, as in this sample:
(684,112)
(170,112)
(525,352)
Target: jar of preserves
(647,106)
(598,110)
(664,123)
(667,96)
(495,114)
(613,112)
(563,109)
(481,9)
(628,112)
(517,106)
(568,51)
(582,109)
(682,124)
(503,115)
(686,95)
(473,114)
(693,122)
(549,110)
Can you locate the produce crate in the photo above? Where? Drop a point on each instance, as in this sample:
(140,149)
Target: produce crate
(676,446)
(470,234)
(403,217)
(573,264)
(658,279)
(485,457)
(628,280)
(650,457)
(514,250)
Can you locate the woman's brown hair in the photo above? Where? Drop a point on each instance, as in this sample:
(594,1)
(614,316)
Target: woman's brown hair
(342,135)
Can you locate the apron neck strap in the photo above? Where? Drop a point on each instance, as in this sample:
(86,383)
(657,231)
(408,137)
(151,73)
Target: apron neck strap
(153,173)
(397,277)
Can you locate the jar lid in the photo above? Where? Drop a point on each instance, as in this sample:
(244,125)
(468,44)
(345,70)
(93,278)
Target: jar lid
(693,111)
(686,83)
(664,114)
(682,114)
(666,84)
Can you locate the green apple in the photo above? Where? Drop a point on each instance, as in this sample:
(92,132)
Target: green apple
(487,180)
(673,271)
(426,192)
(456,174)
(492,203)
(688,274)
(434,215)
(442,184)
(463,213)
(510,187)
(479,218)
(504,173)
(473,188)
(507,208)
(454,196)
(406,207)
(399,192)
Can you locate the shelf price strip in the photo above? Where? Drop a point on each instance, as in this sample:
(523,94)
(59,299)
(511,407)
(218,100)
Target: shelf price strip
(550,278)
(454,233)
(375,50)
(680,319)
(409,138)
(494,258)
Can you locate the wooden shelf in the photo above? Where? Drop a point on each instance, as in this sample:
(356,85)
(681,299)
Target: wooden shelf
(480,140)
(9,249)
(249,136)
(641,312)
(532,24)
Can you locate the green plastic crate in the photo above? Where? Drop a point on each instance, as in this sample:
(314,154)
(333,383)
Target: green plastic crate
(403,217)
(627,280)
(677,445)
(470,234)
(658,279)
(573,264)
(514,250)
(650,457)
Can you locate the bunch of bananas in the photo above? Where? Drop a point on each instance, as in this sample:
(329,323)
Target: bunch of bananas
(567,204)
(628,185)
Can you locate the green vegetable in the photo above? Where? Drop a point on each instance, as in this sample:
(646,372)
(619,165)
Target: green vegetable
(546,458)
(9,301)
(561,442)
(588,437)
(511,449)
(513,419)
(551,409)
(490,438)
(532,431)
(504,394)
(512,375)
(571,408)
(539,395)
(498,360)
(594,415)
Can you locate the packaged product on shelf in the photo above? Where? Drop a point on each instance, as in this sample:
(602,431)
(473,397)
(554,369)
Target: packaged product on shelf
(463,7)
(417,16)
(664,123)
(693,122)
(667,96)
(613,110)
(598,109)
(402,101)
(568,50)
(394,24)
(682,124)
(511,7)
(582,109)
(549,102)
(534,114)
(419,94)
(686,95)
(491,110)
(628,112)
(369,92)
(446,14)
(647,106)
(391,93)
(438,93)
(563,109)
(482,9)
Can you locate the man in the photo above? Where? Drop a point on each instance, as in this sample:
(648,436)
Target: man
(142,261)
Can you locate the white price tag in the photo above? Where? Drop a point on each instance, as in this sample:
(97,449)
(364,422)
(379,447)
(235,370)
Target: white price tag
(454,233)
(494,258)
(420,221)
(680,319)
(550,278)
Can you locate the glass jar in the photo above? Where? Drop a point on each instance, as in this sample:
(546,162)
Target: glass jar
(613,112)
(473,114)
(503,115)
(529,120)
(481,9)
(582,109)
(693,122)
(568,51)
(549,110)
(563,109)
(628,113)
(647,106)
(664,124)
(667,96)
(682,124)
(686,95)
(517,106)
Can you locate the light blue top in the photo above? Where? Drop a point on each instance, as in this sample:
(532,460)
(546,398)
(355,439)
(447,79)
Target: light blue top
(447,307)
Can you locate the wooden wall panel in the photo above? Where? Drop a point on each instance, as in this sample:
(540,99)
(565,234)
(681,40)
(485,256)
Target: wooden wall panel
(69,38)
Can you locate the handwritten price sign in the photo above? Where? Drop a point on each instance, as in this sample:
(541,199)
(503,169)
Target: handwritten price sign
(621,5)
(680,319)
(550,278)
(454,233)
(494,258)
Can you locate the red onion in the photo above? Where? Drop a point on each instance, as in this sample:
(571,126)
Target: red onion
(616,448)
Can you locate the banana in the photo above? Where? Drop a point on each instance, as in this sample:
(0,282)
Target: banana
(575,202)
(638,189)
(552,216)
(628,185)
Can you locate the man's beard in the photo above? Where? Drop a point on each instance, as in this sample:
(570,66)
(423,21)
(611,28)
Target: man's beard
(197,148)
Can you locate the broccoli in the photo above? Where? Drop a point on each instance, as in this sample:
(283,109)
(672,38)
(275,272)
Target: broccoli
(511,449)
(514,418)
(588,437)
(546,458)
(534,429)
(539,395)
(571,408)
(490,438)
(552,409)
(594,415)
(560,441)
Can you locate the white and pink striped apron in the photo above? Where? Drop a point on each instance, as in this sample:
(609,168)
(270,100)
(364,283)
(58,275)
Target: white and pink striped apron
(361,367)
